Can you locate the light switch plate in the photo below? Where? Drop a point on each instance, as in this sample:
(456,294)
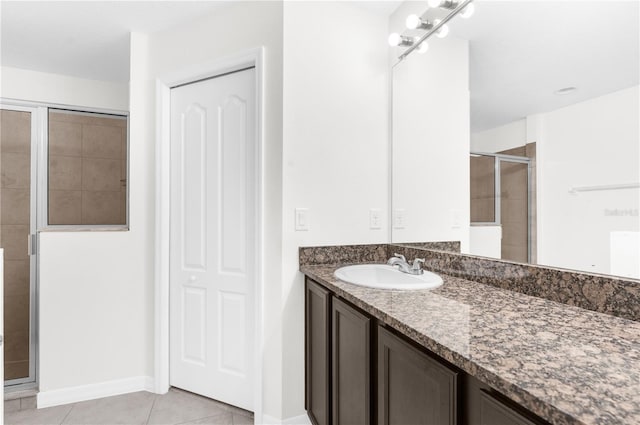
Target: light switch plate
(302,219)
(375,218)
(398,218)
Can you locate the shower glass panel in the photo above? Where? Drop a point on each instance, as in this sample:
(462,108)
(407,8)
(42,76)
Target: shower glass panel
(15,230)
(501,198)
(483,189)
(87,165)
(514,210)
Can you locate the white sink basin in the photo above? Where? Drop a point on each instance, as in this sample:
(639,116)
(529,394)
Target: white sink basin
(382,276)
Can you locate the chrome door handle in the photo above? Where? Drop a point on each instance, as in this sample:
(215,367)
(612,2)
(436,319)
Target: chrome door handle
(31,244)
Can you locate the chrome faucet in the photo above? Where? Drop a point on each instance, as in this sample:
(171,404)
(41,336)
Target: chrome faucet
(400,261)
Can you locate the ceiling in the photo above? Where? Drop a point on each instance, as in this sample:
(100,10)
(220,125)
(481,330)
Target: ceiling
(521,52)
(87,39)
(90,39)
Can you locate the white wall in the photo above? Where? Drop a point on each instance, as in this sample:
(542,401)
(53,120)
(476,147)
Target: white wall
(230,30)
(335,153)
(592,143)
(486,241)
(431,139)
(501,138)
(94,286)
(34,86)
(326,149)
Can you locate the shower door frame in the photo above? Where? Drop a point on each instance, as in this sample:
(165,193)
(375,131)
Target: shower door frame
(38,151)
(498,158)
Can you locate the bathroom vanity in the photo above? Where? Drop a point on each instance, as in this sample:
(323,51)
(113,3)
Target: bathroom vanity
(464,353)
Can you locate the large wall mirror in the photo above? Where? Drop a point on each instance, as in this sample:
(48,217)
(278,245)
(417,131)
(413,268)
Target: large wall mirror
(518,134)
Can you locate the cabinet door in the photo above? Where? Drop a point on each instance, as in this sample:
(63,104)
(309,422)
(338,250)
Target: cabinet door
(493,412)
(351,365)
(413,388)
(317,346)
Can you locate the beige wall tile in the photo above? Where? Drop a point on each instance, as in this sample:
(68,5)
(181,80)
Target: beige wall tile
(101,207)
(87,118)
(15,206)
(482,189)
(16,345)
(99,141)
(16,317)
(123,171)
(16,277)
(123,207)
(13,238)
(65,173)
(15,370)
(11,405)
(16,170)
(65,207)
(65,138)
(15,131)
(100,174)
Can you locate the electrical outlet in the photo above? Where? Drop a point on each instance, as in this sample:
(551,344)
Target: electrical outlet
(398,218)
(302,219)
(375,220)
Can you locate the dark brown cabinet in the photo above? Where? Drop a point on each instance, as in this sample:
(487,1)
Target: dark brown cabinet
(358,372)
(351,340)
(318,353)
(494,412)
(485,406)
(413,388)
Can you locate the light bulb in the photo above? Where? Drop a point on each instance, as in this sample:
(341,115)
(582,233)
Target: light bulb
(443,31)
(434,3)
(467,12)
(413,22)
(395,39)
(423,47)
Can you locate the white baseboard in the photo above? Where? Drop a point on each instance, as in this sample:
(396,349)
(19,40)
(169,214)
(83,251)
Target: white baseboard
(93,391)
(297,420)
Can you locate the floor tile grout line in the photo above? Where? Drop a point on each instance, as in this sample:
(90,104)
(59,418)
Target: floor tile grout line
(151,410)
(206,417)
(68,413)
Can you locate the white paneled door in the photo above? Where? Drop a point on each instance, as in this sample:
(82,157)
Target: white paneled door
(213,237)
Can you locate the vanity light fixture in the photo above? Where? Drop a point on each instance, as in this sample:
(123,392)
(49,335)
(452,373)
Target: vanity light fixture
(423,47)
(451,5)
(414,22)
(396,39)
(468,11)
(438,27)
(444,29)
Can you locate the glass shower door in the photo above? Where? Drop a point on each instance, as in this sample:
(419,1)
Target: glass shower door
(514,210)
(501,212)
(17,224)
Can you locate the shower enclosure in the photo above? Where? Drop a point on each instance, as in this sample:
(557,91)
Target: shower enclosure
(17,230)
(502,197)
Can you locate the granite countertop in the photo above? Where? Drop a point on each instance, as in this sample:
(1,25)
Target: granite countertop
(566,364)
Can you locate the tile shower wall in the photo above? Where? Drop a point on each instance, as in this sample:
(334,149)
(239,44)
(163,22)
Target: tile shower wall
(15,166)
(87,169)
(513,197)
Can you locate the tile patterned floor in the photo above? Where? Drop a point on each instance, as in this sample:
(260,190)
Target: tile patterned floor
(177,407)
